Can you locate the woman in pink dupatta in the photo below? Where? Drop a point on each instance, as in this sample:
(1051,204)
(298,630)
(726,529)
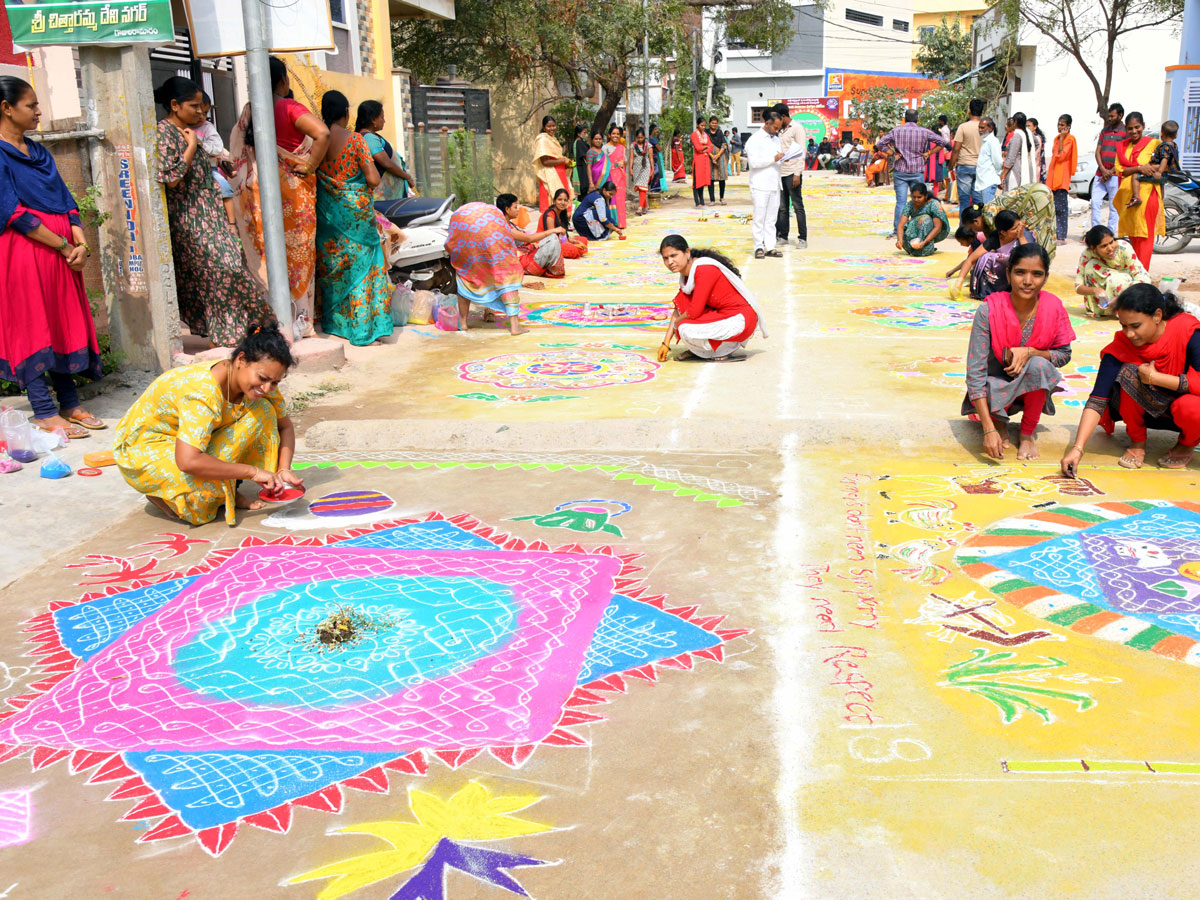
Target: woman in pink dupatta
(1019,340)
(615,150)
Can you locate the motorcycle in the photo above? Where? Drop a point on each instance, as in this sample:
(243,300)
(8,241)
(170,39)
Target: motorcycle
(1181,208)
(421,257)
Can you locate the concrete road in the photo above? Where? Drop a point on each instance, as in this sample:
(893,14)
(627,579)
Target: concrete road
(617,629)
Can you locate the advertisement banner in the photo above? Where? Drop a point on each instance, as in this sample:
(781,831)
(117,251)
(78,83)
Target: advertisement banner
(818,116)
(40,24)
(842,86)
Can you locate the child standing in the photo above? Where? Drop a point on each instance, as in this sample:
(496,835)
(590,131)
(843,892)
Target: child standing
(1165,159)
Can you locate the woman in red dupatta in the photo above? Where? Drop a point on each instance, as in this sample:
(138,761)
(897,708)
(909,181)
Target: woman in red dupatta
(678,163)
(550,166)
(1149,377)
(701,164)
(1141,217)
(1019,340)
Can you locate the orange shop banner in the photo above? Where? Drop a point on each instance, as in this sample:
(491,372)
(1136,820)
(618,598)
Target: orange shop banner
(844,85)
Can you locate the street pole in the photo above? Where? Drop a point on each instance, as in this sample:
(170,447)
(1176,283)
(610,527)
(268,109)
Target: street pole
(262,110)
(646,83)
(693,79)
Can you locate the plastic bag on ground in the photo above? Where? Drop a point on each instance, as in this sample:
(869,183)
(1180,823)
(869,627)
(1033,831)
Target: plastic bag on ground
(45,441)
(422,308)
(446,313)
(53,467)
(402,302)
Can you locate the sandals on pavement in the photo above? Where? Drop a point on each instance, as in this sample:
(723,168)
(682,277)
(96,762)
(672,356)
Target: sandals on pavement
(759,254)
(1172,461)
(74,432)
(88,421)
(775,253)
(1131,462)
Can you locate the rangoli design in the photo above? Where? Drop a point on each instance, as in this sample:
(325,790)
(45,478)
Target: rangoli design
(877,261)
(563,370)
(584,516)
(896,282)
(204,698)
(933,315)
(1124,572)
(599,315)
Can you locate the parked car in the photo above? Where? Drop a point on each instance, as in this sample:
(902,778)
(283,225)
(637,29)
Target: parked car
(1081,181)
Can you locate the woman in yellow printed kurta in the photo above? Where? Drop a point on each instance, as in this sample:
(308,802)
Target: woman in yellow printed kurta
(199,429)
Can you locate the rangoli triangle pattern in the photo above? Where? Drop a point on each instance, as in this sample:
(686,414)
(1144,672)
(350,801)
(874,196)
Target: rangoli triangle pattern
(205,772)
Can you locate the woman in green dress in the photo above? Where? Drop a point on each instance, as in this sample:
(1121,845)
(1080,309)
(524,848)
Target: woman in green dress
(351,271)
(218,297)
(922,223)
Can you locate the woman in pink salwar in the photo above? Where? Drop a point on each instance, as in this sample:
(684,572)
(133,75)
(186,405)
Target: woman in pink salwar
(615,150)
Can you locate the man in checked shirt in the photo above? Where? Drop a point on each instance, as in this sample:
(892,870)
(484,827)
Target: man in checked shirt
(912,143)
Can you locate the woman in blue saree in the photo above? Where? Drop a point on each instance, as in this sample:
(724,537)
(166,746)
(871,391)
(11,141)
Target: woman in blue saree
(355,292)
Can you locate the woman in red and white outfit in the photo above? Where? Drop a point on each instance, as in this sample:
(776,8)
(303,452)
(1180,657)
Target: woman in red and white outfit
(715,314)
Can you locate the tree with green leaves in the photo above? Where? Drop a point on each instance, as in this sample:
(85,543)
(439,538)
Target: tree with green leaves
(570,44)
(1091,33)
(879,108)
(946,54)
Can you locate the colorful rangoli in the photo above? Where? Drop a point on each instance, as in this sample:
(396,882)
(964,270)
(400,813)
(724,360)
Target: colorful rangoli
(564,370)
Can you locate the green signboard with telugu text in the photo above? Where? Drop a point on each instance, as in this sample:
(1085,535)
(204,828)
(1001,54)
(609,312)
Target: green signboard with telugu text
(37,24)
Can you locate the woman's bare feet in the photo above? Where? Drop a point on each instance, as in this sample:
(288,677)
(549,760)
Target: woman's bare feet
(164,508)
(1028,448)
(242,502)
(1133,458)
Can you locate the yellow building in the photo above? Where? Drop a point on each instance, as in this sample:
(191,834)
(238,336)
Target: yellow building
(928,14)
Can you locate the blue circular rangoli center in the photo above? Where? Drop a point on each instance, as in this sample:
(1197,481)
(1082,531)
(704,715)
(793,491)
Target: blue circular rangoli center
(266,652)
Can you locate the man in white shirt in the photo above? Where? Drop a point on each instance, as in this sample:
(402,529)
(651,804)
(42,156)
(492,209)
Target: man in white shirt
(762,157)
(791,137)
(990,162)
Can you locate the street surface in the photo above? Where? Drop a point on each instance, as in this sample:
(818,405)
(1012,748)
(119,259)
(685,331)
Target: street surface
(767,629)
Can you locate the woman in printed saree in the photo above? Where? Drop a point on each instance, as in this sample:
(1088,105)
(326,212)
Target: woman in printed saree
(678,162)
(486,265)
(559,216)
(715,313)
(355,291)
(923,223)
(640,168)
(1149,377)
(599,164)
(395,181)
(615,150)
(580,148)
(1020,338)
(553,170)
(1141,217)
(1106,268)
(200,429)
(1034,205)
(301,141)
(701,163)
(218,297)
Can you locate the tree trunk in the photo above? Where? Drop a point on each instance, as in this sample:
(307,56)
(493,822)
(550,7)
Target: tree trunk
(613,92)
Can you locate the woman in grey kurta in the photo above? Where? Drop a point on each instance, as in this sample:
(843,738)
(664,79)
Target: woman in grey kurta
(1019,341)
(641,163)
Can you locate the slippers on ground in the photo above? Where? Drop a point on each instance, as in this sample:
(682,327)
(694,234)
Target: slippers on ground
(73,432)
(1174,462)
(759,254)
(1129,462)
(91,423)
(774,253)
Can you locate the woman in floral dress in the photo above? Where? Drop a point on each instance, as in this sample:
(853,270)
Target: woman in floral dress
(217,295)
(351,271)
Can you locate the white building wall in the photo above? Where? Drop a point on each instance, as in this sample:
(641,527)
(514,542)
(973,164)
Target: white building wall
(856,45)
(1053,84)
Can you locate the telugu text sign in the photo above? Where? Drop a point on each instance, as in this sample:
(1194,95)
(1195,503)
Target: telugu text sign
(90,22)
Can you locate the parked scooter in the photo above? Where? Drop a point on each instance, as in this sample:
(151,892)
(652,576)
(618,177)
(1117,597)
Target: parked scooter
(1181,207)
(421,258)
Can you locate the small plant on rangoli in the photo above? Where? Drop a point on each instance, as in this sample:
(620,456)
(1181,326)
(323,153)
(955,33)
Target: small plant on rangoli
(984,674)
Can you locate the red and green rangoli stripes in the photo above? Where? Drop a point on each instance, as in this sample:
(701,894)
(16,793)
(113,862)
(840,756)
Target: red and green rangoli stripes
(1074,613)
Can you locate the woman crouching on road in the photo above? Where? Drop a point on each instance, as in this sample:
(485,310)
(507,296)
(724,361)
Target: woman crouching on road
(715,313)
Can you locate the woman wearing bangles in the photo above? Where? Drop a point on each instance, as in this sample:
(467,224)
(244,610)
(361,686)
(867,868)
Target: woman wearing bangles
(1149,377)
(715,313)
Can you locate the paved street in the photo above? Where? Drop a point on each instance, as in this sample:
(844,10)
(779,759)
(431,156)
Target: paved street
(767,629)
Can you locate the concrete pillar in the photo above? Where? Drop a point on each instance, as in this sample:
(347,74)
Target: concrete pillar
(135,243)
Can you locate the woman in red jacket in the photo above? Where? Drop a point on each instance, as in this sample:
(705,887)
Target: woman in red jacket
(715,314)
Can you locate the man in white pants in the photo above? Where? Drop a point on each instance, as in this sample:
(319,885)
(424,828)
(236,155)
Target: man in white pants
(762,154)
